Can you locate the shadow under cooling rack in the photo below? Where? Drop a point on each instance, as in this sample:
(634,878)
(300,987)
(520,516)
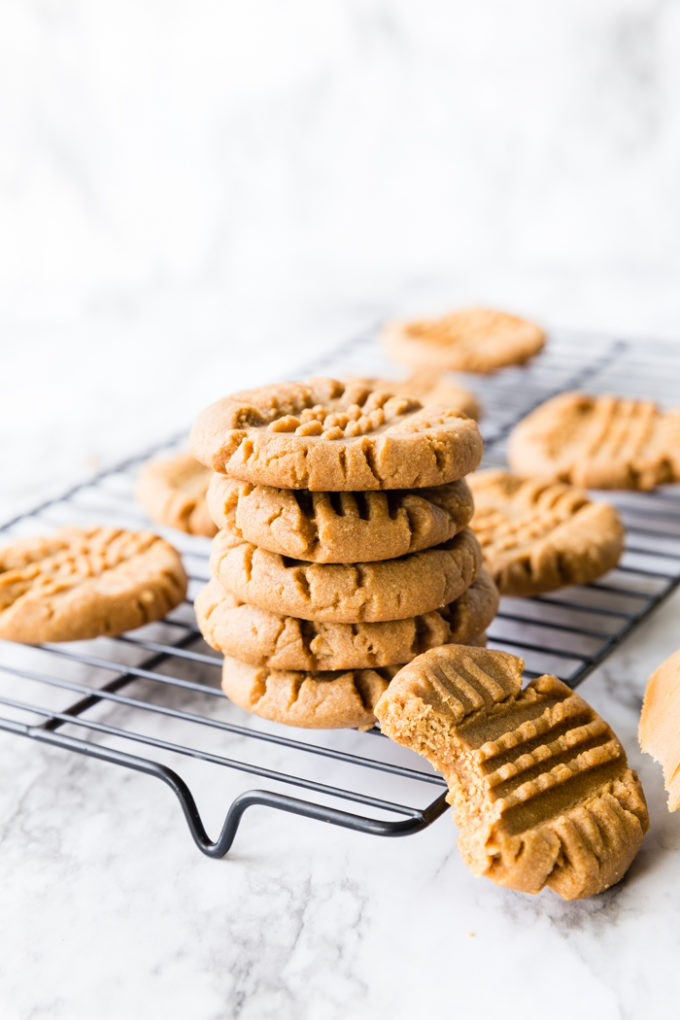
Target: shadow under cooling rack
(150,700)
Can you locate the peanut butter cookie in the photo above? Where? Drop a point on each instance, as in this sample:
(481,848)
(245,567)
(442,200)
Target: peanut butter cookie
(347,593)
(539,784)
(659,731)
(265,638)
(539,536)
(313,700)
(172,491)
(471,340)
(340,527)
(77,584)
(602,442)
(324,435)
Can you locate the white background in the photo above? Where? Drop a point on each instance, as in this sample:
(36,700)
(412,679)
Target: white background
(193,191)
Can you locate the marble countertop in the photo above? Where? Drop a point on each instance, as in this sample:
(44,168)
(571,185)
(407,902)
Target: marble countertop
(109,911)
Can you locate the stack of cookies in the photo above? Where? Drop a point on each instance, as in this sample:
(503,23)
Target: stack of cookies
(343,549)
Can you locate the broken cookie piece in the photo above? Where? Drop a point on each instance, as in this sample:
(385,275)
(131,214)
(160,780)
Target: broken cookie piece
(539,784)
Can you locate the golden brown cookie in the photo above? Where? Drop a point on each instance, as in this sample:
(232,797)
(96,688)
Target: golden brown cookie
(471,340)
(429,386)
(265,638)
(340,527)
(325,435)
(539,784)
(347,593)
(538,536)
(602,442)
(659,731)
(313,700)
(83,583)
(172,491)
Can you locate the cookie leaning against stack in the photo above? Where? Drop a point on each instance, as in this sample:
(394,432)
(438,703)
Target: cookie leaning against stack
(538,782)
(343,548)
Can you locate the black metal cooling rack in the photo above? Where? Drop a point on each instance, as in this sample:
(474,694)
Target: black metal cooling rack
(150,700)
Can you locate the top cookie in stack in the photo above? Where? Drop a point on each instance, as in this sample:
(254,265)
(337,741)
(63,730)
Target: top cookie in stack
(327,435)
(343,548)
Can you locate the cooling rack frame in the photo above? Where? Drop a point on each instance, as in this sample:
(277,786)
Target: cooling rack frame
(648,575)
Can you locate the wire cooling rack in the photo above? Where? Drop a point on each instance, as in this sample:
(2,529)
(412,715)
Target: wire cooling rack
(150,700)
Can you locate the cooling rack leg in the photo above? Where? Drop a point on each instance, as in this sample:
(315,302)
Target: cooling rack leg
(415,820)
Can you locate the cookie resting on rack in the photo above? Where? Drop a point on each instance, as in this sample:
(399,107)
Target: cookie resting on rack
(173,490)
(84,583)
(539,784)
(602,442)
(340,527)
(538,536)
(470,340)
(266,638)
(327,436)
(346,592)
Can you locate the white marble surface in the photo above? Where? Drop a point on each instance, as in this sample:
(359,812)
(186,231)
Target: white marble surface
(192,196)
(109,911)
